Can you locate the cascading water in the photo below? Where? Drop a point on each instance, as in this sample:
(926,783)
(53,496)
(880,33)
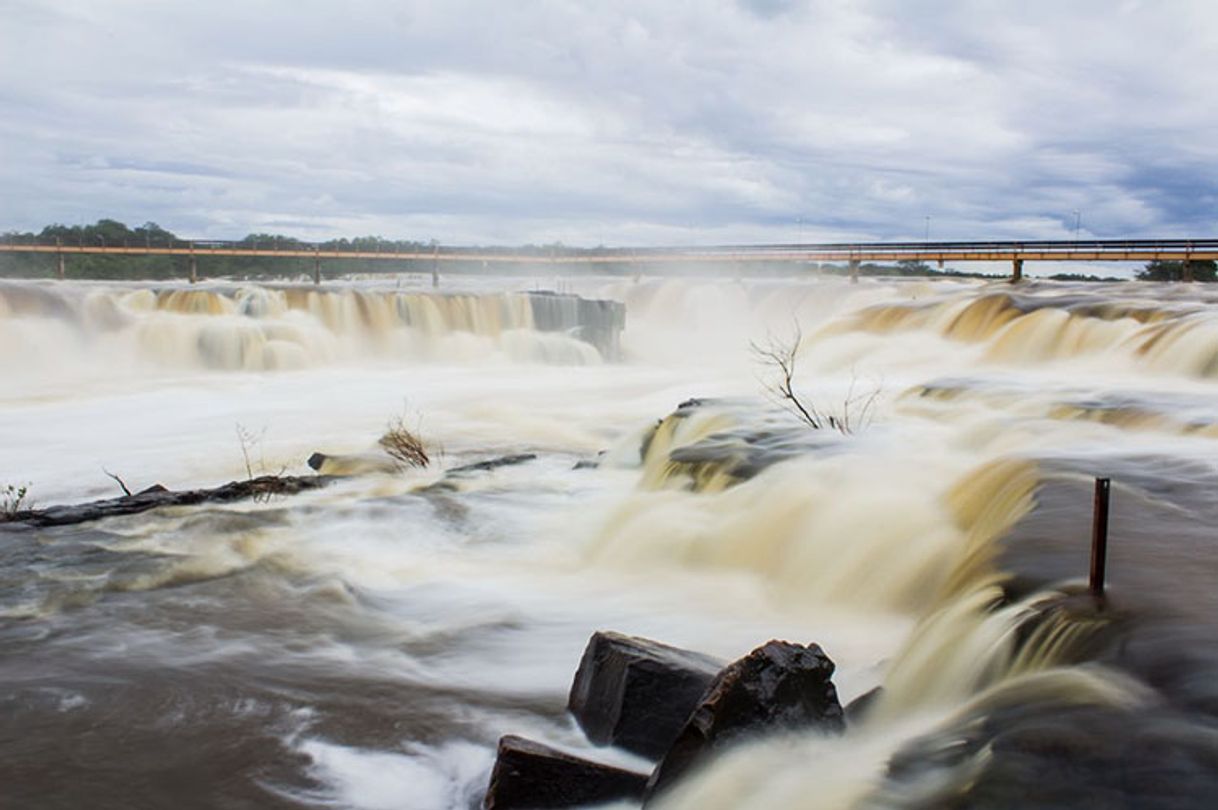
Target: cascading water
(365,645)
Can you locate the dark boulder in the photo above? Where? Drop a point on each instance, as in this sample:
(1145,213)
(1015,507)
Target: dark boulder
(528,774)
(636,693)
(780,686)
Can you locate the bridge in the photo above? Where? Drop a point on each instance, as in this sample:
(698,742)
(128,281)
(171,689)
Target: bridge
(851,253)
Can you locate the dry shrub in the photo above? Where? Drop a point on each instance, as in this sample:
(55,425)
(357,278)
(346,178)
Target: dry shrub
(404,445)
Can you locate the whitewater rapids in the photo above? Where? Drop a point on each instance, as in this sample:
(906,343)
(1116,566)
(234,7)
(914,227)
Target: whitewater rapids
(366,645)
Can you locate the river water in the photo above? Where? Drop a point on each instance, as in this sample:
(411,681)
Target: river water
(366,644)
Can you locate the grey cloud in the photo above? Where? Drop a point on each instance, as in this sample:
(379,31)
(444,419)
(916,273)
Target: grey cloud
(680,121)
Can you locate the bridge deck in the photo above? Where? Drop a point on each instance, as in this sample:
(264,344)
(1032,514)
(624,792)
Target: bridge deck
(1087,251)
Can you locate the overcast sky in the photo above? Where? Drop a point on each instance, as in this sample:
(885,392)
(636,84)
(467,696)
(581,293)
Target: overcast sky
(623,122)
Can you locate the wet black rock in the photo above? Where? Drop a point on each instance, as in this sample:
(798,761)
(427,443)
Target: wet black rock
(157,496)
(636,693)
(528,774)
(779,686)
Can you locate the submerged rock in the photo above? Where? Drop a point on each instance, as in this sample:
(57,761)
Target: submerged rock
(528,774)
(353,464)
(779,686)
(636,693)
(492,464)
(856,711)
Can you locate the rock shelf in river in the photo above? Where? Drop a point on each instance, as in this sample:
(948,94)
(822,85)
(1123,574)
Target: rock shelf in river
(157,496)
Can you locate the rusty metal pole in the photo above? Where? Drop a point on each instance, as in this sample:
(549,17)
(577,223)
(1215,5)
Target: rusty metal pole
(1099,536)
(1187,271)
(1016,270)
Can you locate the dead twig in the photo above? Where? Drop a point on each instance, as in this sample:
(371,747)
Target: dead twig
(119,481)
(780,355)
(249,441)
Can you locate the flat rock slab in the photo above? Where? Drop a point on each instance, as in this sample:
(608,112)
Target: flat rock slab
(779,686)
(528,774)
(636,693)
(157,496)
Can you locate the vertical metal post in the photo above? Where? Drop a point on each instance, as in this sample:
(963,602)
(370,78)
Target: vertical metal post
(62,268)
(1016,270)
(1099,536)
(317,266)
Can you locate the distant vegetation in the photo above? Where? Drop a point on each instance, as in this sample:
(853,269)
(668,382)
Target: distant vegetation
(1205,270)
(109,232)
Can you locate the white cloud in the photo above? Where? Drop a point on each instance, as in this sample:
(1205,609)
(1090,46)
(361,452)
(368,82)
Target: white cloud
(476,120)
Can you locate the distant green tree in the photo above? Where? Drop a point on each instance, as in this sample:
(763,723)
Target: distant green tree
(1203,270)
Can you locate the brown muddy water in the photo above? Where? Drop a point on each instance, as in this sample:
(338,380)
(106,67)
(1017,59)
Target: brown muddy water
(365,645)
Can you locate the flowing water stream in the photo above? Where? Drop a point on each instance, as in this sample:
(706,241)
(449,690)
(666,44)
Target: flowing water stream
(366,644)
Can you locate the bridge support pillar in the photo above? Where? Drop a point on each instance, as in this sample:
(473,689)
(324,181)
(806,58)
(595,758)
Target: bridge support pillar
(854,271)
(62,267)
(1016,270)
(316,266)
(194,270)
(1187,270)
(435,266)
(59,244)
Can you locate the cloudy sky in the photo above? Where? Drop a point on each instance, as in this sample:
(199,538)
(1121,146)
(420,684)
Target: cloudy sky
(623,122)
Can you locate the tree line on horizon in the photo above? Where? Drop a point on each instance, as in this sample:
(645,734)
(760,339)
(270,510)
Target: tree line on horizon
(111,232)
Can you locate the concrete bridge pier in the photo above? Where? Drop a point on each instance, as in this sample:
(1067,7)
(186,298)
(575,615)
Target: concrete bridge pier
(1016,270)
(61,263)
(854,271)
(316,266)
(194,270)
(1187,269)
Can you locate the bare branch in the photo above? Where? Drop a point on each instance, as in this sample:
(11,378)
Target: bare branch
(119,481)
(250,441)
(781,356)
